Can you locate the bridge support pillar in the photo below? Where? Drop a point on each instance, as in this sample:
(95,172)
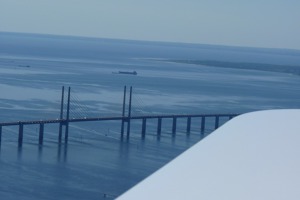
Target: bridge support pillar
(68,116)
(188,125)
(128,128)
(60,132)
(0,134)
(202,125)
(123,112)
(41,134)
(129,113)
(61,114)
(174,125)
(67,133)
(122,127)
(144,127)
(217,122)
(20,140)
(159,120)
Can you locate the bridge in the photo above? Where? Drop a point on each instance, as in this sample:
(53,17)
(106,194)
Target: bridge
(125,120)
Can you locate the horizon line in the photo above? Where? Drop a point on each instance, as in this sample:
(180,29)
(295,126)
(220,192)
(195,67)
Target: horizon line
(140,40)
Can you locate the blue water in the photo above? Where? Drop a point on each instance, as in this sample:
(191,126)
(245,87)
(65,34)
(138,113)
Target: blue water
(96,163)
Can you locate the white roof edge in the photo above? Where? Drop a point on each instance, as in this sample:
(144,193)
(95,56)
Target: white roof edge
(253,156)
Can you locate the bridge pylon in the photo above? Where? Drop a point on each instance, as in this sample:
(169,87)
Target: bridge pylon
(128,117)
(64,122)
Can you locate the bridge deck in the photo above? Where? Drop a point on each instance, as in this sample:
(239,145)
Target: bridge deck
(51,121)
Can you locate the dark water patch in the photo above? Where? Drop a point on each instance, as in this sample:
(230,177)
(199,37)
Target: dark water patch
(290,69)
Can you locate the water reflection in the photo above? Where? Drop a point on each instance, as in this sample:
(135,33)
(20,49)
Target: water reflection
(20,150)
(40,152)
(62,154)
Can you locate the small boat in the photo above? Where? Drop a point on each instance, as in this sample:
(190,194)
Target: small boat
(126,72)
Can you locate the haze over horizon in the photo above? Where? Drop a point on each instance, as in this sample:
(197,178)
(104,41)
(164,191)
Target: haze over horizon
(267,24)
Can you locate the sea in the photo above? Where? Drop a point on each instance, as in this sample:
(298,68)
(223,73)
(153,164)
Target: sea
(172,78)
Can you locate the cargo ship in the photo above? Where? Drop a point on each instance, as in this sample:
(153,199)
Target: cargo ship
(126,72)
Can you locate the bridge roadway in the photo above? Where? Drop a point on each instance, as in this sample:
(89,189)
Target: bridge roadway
(110,118)
(123,119)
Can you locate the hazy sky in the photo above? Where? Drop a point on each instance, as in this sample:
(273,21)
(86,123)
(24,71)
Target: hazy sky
(261,23)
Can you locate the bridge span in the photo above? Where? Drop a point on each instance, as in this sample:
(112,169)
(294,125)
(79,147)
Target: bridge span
(124,119)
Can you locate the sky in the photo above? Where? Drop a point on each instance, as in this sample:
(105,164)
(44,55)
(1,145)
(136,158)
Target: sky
(255,23)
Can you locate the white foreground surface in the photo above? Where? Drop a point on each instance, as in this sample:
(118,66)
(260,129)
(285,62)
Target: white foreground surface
(254,156)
